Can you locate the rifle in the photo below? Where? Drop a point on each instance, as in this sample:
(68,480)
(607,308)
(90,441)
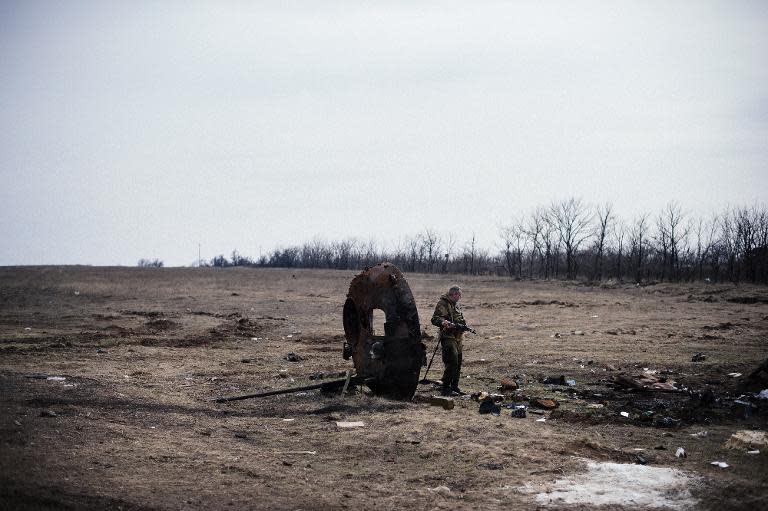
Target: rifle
(460,328)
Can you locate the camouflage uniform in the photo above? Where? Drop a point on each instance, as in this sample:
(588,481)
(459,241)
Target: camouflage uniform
(450,340)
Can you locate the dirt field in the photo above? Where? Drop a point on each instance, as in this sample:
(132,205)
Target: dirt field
(108,375)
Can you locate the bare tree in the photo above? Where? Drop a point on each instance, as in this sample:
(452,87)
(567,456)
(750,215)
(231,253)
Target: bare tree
(638,240)
(619,235)
(605,220)
(150,263)
(705,232)
(430,246)
(534,230)
(513,241)
(572,218)
(672,234)
(470,255)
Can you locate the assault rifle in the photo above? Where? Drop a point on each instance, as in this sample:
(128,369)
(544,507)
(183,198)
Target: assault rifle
(460,328)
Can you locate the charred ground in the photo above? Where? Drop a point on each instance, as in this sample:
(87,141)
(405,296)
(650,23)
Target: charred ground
(143,352)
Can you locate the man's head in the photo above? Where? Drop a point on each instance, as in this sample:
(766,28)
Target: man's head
(454,293)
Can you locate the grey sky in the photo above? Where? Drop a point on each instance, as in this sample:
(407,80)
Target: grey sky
(138,129)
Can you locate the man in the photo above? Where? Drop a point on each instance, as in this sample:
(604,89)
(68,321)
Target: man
(447,314)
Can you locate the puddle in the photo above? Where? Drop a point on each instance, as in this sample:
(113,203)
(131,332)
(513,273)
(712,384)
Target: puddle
(621,484)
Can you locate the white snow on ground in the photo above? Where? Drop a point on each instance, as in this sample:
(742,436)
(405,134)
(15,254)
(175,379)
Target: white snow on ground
(622,484)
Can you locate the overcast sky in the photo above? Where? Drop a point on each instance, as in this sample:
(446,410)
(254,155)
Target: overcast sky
(140,129)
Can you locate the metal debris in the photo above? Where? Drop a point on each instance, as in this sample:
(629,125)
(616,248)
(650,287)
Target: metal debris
(391,362)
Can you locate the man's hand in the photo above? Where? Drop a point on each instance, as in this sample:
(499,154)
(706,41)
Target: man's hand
(455,326)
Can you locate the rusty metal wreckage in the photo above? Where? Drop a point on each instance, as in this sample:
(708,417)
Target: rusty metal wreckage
(388,364)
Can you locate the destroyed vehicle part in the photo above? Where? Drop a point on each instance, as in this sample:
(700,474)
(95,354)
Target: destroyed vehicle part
(391,362)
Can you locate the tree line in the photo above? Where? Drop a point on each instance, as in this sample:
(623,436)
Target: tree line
(569,239)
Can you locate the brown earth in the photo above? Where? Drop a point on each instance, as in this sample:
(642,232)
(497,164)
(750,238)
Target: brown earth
(144,352)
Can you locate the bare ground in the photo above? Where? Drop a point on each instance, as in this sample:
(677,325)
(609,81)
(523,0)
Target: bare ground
(143,353)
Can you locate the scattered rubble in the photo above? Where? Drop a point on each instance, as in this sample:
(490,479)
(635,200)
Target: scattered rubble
(488,406)
(742,409)
(546,404)
(747,440)
(699,357)
(508,384)
(446,402)
(293,357)
(757,380)
(350,425)
(666,422)
(519,412)
(645,381)
(554,380)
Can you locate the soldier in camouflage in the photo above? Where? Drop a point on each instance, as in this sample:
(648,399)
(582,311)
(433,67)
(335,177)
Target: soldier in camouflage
(447,312)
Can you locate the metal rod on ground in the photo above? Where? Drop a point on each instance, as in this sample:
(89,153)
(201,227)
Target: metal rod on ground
(346,383)
(424,380)
(327,384)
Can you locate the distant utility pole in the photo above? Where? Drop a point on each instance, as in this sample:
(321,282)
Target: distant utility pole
(199,259)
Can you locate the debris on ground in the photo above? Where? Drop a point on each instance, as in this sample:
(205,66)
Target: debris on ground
(700,434)
(753,452)
(666,422)
(763,394)
(48,413)
(680,453)
(440,489)
(519,411)
(508,384)
(720,464)
(624,414)
(350,425)
(757,379)
(553,380)
(546,404)
(446,402)
(293,357)
(645,381)
(747,440)
(742,409)
(489,406)
(479,396)
(699,357)
(484,396)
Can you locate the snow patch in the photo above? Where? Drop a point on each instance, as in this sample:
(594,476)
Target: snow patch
(622,484)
